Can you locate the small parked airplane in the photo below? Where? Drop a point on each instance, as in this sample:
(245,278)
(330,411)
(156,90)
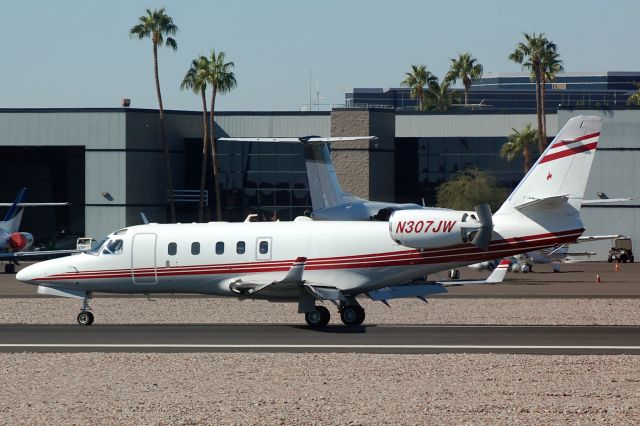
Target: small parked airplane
(15,244)
(306,261)
(328,200)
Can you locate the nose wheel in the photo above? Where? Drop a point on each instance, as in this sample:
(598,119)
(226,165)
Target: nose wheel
(85,318)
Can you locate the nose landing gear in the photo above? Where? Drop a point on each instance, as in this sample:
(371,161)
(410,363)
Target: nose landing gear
(85,317)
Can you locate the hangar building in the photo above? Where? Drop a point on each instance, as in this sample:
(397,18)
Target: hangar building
(108,163)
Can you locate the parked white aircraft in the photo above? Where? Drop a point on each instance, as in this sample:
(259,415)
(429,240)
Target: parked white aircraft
(307,261)
(328,200)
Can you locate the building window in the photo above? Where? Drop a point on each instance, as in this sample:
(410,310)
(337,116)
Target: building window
(219,247)
(172,249)
(240,247)
(195,248)
(264,247)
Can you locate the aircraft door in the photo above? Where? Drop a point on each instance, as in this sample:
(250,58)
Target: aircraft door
(143,259)
(263,248)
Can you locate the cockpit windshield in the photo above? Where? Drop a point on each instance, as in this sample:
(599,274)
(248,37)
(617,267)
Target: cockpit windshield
(95,250)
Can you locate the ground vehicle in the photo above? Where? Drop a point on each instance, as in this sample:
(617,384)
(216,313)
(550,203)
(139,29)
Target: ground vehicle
(621,251)
(84,243)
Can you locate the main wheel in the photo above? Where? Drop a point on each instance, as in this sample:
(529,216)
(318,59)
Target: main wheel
(318,318)
(85,318)
(352,315)
(9,268)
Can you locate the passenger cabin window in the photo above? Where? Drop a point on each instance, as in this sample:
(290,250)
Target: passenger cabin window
(240,247)
(172,249)
(264,247)
(219,247)
(195,248)
(113,247)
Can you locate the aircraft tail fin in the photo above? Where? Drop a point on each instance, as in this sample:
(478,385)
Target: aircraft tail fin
(11,221)
(559,177)
(324,186)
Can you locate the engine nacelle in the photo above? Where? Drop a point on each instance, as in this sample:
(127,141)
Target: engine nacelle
(432,228)
(20,241)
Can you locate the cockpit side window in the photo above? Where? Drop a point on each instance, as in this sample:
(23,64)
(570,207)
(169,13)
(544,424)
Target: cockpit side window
(113,247)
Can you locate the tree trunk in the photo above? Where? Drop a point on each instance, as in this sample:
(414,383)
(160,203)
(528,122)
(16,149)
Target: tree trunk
(214,157)
(466,84)
(542,113)
(165,146)
(527,158)
(203,165)
(420,100)
(539,111)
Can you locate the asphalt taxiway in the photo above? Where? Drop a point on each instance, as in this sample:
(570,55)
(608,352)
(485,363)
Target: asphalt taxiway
(296,338)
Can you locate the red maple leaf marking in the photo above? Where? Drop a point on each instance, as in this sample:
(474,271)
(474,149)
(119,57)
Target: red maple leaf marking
(549,176)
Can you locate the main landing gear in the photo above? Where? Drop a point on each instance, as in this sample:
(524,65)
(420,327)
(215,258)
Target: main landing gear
(350,314)
(85,317)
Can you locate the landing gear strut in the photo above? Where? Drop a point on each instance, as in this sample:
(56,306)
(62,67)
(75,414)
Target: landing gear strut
(85,317)
(318,318)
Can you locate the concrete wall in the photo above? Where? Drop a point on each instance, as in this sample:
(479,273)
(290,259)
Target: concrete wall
(468,124)
(616,172)
(365,168)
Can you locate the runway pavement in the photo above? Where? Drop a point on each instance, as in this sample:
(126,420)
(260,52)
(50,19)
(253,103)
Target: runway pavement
(296,338)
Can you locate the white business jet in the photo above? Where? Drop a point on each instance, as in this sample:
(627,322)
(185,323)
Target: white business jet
(309,261)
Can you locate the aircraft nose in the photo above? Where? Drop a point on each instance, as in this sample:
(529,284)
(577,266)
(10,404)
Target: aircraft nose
(26,275)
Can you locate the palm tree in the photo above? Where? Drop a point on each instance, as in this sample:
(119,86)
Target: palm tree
(196,80)
(520,143)
(529,54)
(417,80)
(156,24)
(466,68)
(439,97)
(551,66)
(222,80)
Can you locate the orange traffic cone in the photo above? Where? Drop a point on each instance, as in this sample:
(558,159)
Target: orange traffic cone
(598,278)
(616,267)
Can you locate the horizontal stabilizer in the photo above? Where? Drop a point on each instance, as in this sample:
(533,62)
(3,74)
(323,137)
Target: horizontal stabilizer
(302,139)
(543,204)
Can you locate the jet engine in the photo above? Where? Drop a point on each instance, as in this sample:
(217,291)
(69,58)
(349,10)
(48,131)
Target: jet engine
(20,241)
(434,228)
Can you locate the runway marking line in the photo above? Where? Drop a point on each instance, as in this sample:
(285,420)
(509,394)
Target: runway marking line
(293,346)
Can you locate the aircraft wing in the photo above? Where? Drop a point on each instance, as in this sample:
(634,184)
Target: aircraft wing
(597,201)
(291,285)
(37,253)
(421,291)
(33,204)
(598,238)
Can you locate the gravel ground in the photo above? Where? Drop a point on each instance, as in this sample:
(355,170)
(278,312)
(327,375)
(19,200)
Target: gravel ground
(527,311)
(318,389)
